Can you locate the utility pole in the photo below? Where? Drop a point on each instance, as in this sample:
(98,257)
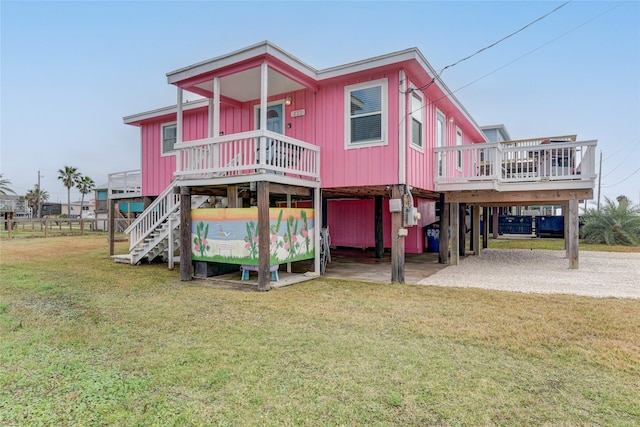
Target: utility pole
(599,180)
(38,207)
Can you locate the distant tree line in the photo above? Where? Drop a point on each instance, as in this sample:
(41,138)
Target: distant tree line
(70,178)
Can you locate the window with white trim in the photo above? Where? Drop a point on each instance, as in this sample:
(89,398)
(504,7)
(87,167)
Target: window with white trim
(416,120)
(459,143)
(169,138)
(366,114)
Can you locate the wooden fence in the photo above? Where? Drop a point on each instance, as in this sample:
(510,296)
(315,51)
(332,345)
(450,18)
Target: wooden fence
(53,227)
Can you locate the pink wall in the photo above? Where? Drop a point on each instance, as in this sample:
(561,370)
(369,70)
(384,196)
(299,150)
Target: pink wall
(351,224)
(361,166)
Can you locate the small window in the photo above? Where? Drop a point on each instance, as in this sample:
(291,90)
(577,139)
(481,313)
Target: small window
(416,120)
(459,143)
(169,138)
(367,114)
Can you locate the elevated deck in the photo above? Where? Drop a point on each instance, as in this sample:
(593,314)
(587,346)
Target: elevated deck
(258,155)
(515,166)
(125,185)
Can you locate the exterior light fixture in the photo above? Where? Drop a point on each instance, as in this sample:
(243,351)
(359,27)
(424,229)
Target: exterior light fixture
(288,101)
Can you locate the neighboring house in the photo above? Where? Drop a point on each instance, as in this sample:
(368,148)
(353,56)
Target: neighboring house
(15,205)
(79,209)
(370,145)
(12,207)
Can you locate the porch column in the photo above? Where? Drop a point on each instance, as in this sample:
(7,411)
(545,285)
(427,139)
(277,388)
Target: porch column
(185,234)
(443,255)
(455,233)
(397,241)
(485,227)
(215,123)
(378,232)
(475,238)
(264,257)
(574,228)
(263,113)
(179,164)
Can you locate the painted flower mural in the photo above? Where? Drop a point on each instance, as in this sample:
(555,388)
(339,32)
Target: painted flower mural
(237,239)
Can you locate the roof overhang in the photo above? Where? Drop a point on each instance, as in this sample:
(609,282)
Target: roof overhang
(240,79)
(137,119)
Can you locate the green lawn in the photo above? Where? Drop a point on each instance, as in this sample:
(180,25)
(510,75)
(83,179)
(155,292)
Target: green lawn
(85,341)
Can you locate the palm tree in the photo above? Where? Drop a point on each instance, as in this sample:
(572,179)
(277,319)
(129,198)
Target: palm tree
(85,186)
(613,224)
(69,177)
(36,198)
(4,187)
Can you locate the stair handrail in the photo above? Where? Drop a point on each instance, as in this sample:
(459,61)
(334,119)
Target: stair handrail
(163,206)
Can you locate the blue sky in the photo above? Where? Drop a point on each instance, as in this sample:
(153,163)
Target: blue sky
(71,70)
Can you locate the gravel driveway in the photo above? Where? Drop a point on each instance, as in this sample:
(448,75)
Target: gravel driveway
(601,274)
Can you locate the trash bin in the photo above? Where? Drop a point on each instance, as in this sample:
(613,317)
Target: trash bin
(432,237)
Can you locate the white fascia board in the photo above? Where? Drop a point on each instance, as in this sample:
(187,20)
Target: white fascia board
(241,55)
(172,109)
(425,64)
(367,64)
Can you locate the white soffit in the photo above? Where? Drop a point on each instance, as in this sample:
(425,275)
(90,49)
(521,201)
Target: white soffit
(245,86)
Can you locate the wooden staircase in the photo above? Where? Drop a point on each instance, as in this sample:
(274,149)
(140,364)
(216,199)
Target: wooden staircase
(156,233)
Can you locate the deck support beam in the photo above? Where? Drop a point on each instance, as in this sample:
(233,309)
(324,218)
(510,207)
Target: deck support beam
(397,241)
(443,251)
(378,230)
(495,222)
(485,227)
(185,234)
(462,229)
(112,226)
(455,233)
(232,196)
(318,220)
(573,234)
(264,258)
(475,235)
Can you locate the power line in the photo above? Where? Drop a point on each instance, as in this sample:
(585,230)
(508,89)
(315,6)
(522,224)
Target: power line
(622,162)
(506,37)
(512,61)
(437,76)
(620,182)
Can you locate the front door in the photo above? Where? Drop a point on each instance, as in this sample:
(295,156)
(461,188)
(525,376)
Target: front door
(275,123)
(275,118)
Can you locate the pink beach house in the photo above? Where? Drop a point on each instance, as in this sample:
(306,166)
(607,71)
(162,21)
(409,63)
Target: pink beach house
(367,147)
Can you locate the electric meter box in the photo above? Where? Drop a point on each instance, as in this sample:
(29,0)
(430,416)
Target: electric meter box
(395,205)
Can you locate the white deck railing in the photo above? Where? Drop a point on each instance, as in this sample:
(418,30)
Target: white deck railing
(163,206)
(125,184)
(247,153)
(515,163)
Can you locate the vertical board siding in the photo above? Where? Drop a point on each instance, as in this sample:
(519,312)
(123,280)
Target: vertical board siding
(351,224)
(323,124)
(361,166)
